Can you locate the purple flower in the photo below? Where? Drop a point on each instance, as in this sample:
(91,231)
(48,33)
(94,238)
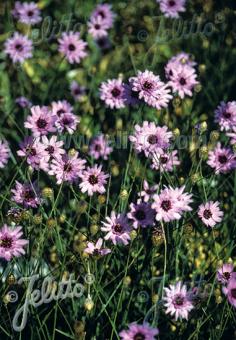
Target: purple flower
(148,191)
(150,138)
(72,47)
(224,273)
(225,115)
(106,14)
(35,154)
(151,89)
(139,332)
(28,13)
(67,168)
(60,107)
(15,11)
(165,161)
(77,91)
(67,122)
(232,135)
(221,159)
(93,180)
(177,301)
(96,249)
(171,203)
(41,121)
(183,80)
(23,102)
(230,289)
(53,147)
(112,93)
(11,243)
(172,8)
(19,48)
(130,97)
(141,214)
(97,27)
(210,213)
(117,228)
(4,153)
(181,58)
(26,194)
(99,147)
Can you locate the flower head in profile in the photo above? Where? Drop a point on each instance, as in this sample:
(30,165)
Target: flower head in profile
(93,180)
(221,159)
(165,161)
(112,93)
(28,13)
(4,153)
(96,249)
(230,289)
(150,138)
(172,8)
(177,301)
(210,213)
(151,89)
(11,242)
(23,102)
(183,80)
(148,191)
(41,121)
(224,273)
(117,228)
(67,168)
(77,90)
(105,13)
(225,115)
(26,194)
(99,147)
(72,47)
(139,332)
(18,47)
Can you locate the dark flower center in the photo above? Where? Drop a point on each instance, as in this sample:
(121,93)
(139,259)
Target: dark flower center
(115,92)
(50,149)
(171,3)
(67,167)
(19,47)
(166,205)
(6,242)
(41,123)
(139,336)
(147,85)
(118,228)
(226,275)
(97,27)
(77,91)
(102,14)
(96,252)
(140,215)
(66,121)
(61,111)
(227,115)
(207,214)
(71,47)
(30,13)
(93,179)
(233,293)
(97,147)
(182,81)
(31,151)
(152,139)
(222,159)
(163,159)
(28,194)
(179,300)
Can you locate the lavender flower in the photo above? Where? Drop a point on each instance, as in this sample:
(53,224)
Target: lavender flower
(96,249)
(141,214)
(112,93)
(165,161)
(221,159)
(93,180)
(72,47)
(106,14)
(139,332)
(210,213)
(225,115)
(117,228)
(224,273)
(148,191)
(26,194)
(41,121)
(99,147)
(172,8)
(11,243)
(230,290)
(28,13)
(19,48)
(183,80)
(4,153)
